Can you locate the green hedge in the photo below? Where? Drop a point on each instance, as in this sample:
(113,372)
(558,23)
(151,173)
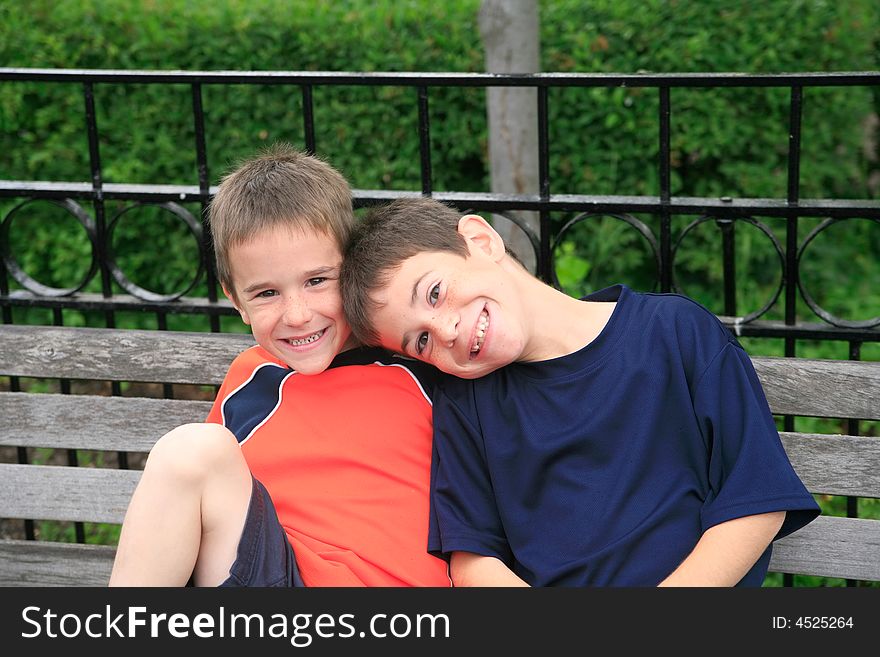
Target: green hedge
(729,141)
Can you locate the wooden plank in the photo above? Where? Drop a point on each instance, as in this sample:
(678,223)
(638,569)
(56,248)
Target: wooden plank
(40,563)
(827,547)
(118,354)
(794,386)
(829,464)
(831,547)
(821,388)
(127,424)
(835,465)
(46,492)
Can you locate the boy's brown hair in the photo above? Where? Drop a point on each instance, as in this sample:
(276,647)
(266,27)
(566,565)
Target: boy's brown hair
(279,187)
(379,244)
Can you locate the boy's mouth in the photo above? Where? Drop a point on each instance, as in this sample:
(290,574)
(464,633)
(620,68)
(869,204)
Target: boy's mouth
(480,333)
(299,342)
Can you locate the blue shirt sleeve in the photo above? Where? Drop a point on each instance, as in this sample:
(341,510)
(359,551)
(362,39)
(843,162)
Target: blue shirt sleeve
(749,471)
(464,516)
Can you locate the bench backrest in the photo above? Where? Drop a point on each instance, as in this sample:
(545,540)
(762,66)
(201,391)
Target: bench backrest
(828,464)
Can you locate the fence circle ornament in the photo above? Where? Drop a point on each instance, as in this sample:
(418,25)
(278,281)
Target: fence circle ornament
(127,284)
(639,225)
(808,298)
(28,282)
(744,319)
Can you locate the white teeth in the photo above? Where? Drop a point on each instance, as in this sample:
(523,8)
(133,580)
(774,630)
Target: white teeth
(302,341)
(480,333)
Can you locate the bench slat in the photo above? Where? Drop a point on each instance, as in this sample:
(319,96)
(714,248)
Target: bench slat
(829,464)
(835,465)
(127,424)
(794,386)
(831,547)
(41,563)
(46,492)
(821,388)
(827,547)
(119,354)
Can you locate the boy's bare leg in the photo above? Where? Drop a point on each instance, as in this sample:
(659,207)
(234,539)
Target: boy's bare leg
(187,512)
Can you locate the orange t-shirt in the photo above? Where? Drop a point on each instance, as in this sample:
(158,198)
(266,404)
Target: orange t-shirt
(346,458)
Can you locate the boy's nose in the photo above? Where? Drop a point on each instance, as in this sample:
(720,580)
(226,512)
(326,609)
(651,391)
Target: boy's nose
(446,328)
(296,311)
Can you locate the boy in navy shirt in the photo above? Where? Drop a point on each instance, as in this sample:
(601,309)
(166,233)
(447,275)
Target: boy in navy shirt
(618,440)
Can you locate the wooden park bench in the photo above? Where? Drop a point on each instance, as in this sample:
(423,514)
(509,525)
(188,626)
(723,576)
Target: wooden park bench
(829,464)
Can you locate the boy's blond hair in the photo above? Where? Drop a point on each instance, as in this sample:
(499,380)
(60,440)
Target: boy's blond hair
(279,187)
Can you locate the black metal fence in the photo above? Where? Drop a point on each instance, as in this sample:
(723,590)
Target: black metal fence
(87,201)
(17,288)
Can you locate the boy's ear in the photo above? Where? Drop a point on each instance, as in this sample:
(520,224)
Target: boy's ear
(479,234)
(243,313)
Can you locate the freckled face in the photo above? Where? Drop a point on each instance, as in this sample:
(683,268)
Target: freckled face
(459,314)
(287,290)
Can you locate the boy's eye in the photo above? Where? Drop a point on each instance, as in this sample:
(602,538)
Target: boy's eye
(434,294)
(265,294)
(315,281)
(421,343)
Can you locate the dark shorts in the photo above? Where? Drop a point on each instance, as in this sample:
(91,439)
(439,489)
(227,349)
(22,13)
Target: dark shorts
(265,557)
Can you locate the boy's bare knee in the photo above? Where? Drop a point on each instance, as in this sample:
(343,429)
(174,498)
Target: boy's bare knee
(190,452)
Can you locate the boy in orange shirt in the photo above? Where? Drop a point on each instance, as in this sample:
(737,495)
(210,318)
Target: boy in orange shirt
(313,467)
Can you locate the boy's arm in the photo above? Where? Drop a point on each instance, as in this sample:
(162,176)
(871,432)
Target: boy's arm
(726,551)
(469,569)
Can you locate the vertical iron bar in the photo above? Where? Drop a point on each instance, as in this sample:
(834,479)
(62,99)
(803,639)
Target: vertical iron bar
(425,140)
(204,201)
(308,118)
(853,429)
(122,460)
(207,249)
(21,452)
(544,256)
(728,261)
(791,227)
(201,151)
(100,225)
(98,195)
(791,230)
(794,143)
(23,460)
(794,165)
(15,386)
(665,110)
(72,458)
(4,291)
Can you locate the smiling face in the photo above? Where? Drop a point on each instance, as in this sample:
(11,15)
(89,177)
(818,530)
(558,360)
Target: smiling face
(462,315)
(287,291)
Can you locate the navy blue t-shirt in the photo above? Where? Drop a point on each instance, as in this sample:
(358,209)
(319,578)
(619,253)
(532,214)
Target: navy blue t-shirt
(604,467)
